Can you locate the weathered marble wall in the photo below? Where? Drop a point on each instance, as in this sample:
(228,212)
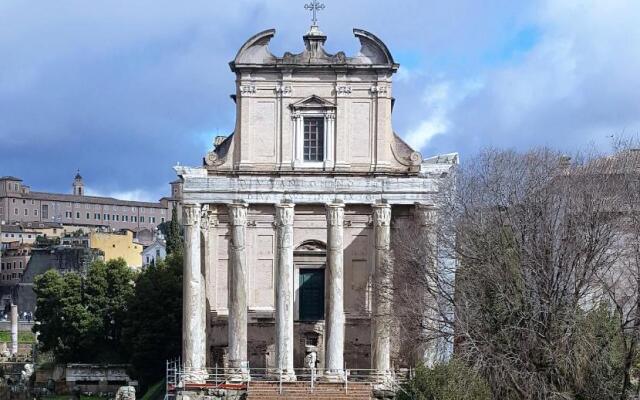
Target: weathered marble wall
(310,225)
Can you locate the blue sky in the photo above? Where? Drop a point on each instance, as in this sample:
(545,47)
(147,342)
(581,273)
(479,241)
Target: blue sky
(123,90)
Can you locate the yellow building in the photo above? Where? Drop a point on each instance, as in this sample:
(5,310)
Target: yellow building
(118,245)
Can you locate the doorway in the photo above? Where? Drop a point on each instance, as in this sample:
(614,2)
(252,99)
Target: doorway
(311,294)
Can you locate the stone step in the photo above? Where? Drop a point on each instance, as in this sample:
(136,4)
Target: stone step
(302,390)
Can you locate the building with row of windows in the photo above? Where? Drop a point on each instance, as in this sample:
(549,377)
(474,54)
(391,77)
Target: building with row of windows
(19,204)
(13,263)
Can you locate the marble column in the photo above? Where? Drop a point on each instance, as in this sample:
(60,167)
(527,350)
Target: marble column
(425,219)
(382,278)
(208,224)
(284,290)
(334,319)
(237,284)
(193,308)
(442,274)
(14,329)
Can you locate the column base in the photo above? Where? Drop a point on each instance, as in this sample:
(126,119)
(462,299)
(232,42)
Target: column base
(286,376)
(384,379)
(332,376)
(239,372)
(194,376)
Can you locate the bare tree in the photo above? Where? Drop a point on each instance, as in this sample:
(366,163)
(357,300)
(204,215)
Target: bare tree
(533,235)
(622,282)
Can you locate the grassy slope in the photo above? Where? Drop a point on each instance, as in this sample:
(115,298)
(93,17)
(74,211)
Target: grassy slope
(23,337)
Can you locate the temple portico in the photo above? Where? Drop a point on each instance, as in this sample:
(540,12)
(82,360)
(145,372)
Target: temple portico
(235,222)
(289,220)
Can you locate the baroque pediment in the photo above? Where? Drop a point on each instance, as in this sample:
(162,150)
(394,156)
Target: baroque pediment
(255,52)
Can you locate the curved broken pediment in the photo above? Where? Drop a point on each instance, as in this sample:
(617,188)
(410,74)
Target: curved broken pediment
(373,50)
(256,49)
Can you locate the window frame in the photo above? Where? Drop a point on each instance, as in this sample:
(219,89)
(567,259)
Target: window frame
(313,107)
(313,139)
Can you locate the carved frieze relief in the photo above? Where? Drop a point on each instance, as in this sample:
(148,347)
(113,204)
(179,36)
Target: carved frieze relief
(248,89)
(283,90)
(343,90)
(380,90)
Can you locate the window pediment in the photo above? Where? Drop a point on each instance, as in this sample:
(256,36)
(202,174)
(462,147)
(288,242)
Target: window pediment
(312,246)
(312,102)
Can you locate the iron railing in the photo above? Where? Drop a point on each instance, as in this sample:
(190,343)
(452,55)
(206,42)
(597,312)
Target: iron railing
(180,378)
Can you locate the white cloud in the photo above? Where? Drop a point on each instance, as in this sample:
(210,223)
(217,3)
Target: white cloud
(439,100)
(575,87)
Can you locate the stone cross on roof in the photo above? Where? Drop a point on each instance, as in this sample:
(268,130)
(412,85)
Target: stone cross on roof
(314,7)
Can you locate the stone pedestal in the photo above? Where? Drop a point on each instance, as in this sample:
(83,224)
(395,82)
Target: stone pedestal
(284,291)
(237,284)
(382,278)
(334,318)
(194,346)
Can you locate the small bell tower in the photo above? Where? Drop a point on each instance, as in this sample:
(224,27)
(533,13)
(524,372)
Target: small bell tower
(78,185)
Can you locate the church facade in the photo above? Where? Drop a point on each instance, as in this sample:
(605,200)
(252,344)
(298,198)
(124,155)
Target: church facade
(288,221)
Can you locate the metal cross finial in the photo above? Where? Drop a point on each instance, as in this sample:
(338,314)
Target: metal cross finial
(314,7)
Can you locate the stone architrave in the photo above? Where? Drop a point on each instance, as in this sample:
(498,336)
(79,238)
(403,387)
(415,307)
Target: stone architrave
(237,284)
(284,289)
(14,329)
(194,346)
(380,333)
(334,319)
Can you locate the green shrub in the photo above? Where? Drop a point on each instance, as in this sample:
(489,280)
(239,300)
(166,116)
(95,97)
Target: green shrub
(451,381)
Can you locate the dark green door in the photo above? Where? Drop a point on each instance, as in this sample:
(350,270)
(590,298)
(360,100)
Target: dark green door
(311,294)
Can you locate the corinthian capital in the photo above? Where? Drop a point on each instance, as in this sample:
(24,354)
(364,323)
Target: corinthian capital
(425,214)
(284,214)
(381,214)
(335,214)
(209,218)
(190,214)
(238,214)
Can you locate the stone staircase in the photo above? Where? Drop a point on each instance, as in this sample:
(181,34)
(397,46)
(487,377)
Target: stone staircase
(302,390)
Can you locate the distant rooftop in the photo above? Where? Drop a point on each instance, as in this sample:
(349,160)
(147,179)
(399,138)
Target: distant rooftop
(88,199)
(10,178)
(47,196)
